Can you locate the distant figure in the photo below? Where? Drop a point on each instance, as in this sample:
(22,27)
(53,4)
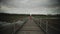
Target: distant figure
(30,16)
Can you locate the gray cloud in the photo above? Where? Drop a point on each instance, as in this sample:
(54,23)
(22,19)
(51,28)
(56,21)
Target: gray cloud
(30,6)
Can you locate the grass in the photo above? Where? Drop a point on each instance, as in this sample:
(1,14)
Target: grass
(46,16)
(11,17)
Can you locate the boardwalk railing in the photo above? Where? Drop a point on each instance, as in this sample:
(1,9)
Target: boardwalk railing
(48,25)
(11,28)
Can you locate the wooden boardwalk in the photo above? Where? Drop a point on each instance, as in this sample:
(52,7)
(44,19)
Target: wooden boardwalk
(30,28)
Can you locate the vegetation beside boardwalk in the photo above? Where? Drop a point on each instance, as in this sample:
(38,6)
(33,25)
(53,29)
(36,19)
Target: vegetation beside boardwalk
(46,16)
(11,17)
(14,17)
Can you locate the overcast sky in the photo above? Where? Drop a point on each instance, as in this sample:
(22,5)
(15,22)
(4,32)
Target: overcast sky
(30,6)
